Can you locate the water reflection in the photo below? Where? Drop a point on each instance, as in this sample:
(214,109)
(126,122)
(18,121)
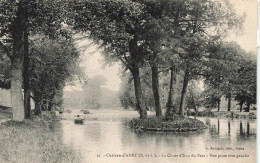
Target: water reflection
(248,128)
(228,127)
(207,122)
(241,128)
(218,126)
(109,135)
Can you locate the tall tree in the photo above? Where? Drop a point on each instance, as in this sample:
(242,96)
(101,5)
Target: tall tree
(54,62)
(193,61)
(17,19)
(26,80)
(222,69)
(127,90)
(153,35)
(210,98)
(17,63)
(201,17)
(245,85)
(115,26)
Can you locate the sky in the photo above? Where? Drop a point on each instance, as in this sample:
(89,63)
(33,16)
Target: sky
(94,63)
(248,39)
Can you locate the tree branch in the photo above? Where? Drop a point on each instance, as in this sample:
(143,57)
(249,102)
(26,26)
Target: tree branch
(32,97)
(38,59)
(126,64)
(126,59)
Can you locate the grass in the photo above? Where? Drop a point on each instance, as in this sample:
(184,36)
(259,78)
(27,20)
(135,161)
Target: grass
(159,124)
(230,114)
(32,141)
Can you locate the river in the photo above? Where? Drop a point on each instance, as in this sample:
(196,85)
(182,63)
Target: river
(104,138)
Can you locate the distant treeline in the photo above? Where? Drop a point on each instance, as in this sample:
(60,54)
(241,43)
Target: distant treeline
(92,95)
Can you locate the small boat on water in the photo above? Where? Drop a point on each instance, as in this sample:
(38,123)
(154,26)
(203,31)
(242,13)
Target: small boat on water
(85,111)
(67,111)
(79,120)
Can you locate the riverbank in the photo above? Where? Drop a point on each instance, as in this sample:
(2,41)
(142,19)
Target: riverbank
(159,124)
(225,114)
(30,141)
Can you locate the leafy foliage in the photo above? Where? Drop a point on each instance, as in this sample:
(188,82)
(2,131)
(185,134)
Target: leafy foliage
(193,100)
(159,124)
(127,96)
(210,97)
(5,71)
(245,90)
(53,63)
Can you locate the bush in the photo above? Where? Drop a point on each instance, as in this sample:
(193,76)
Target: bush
(207,113)
(246,109)
(252,115)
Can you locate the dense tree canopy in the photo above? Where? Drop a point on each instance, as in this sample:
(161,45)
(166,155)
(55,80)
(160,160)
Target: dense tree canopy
(183,39)
(20,19)
(53,63)
(225,72)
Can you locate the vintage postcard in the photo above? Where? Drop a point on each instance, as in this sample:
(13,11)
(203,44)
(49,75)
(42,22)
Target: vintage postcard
(128,81)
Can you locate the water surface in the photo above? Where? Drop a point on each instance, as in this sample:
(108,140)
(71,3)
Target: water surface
(104,138)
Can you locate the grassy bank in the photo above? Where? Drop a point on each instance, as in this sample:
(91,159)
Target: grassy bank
(225,114)
(159,124)
(32,141)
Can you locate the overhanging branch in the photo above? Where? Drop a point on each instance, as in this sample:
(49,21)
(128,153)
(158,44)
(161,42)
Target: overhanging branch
(126,64)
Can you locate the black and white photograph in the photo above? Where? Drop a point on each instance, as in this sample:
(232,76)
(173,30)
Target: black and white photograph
(128,81)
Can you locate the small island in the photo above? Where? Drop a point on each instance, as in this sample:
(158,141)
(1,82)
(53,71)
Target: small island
(159,124)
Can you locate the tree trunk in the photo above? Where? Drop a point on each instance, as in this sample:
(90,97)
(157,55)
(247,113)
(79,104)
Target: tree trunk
(155,86)
(193,101)
(248,128)
(135,60)
(229,101)
(37,101)
(183,92)
(169,105)
(241,106)
(37,110)
(218,125)
(248,106)
(138,92)
(219,100)
(16,87)
(26,82)
(17,67)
